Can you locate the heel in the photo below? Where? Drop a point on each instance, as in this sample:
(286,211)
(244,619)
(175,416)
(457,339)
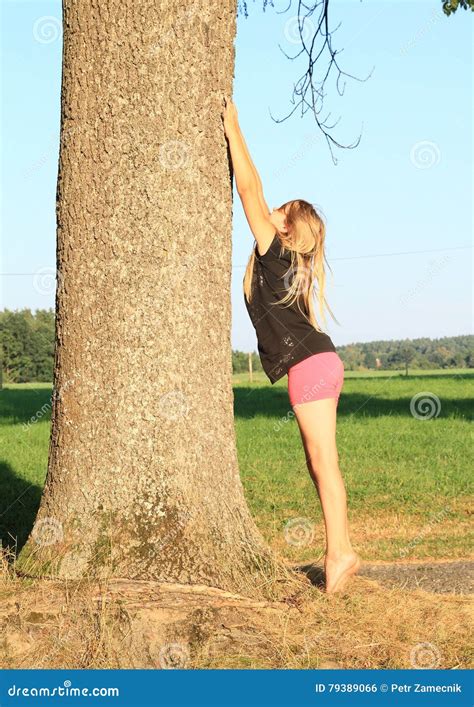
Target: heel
(346,575)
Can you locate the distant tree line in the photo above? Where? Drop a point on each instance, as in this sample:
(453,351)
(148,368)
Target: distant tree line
(27,350)
(27,345)
(448,352)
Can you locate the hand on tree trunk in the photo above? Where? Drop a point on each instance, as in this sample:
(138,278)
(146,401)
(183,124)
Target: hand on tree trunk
(229,115)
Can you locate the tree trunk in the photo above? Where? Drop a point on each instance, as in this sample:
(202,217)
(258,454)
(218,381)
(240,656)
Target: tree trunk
(143,479)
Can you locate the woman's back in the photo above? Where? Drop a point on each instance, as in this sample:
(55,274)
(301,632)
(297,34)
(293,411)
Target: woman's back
(285,336)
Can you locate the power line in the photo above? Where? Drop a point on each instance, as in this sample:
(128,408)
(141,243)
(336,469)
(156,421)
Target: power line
(389,255)
(348,257)
(405,252)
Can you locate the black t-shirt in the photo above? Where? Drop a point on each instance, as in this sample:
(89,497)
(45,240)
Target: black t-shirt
(284,335)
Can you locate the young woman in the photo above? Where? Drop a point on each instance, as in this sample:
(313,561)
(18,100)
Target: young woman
(286,262)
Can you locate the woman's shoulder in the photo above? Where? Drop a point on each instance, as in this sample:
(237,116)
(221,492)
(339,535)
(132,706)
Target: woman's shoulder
(276,251)
(262,255)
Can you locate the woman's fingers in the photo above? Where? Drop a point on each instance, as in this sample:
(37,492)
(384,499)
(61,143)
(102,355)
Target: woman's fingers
(229,112)
(228,102)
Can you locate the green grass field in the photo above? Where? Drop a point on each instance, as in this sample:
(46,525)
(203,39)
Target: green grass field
(407,478)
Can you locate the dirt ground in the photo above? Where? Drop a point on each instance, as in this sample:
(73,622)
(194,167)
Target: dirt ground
(438,577)
(400,615)
(406,614)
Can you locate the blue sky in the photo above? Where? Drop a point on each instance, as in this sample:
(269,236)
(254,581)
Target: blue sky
(406,188)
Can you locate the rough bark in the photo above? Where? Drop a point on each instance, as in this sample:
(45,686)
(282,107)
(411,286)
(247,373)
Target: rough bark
(143,479)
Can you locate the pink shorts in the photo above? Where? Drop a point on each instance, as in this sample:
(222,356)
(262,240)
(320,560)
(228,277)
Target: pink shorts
(316,377)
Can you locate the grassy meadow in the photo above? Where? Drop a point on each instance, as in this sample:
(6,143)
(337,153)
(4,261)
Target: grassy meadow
(407,477)
(408,488)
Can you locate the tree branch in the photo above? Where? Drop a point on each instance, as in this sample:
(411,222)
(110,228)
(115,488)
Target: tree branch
(308,91)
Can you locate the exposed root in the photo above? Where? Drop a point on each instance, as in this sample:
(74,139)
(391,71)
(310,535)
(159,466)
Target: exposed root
(121,623)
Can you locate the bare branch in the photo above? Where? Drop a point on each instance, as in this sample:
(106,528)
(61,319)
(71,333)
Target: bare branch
(308,91)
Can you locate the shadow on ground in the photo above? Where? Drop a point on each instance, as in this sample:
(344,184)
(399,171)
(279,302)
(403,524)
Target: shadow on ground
(273,402)
(23,405)
(19,502)
(437,577)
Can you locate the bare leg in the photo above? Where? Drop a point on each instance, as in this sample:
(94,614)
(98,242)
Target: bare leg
(317,424)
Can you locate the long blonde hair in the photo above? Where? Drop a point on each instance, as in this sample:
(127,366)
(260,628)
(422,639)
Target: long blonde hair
(305,241)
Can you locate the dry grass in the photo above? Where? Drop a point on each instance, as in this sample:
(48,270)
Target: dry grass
(388,536)
(50,624)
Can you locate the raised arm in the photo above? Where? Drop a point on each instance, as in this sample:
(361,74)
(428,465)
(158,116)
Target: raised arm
(248,183)
(234,124)
(257,176)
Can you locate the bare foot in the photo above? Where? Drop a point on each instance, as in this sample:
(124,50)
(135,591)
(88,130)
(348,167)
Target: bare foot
(338,571)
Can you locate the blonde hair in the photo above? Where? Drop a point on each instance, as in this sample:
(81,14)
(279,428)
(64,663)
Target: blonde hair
(305,241)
